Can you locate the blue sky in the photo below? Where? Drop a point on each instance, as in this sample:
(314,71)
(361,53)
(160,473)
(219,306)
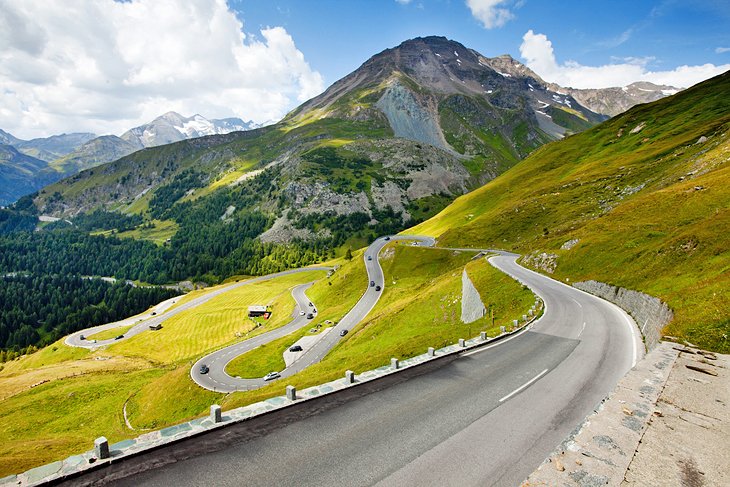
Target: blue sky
(336,36)
(105,66)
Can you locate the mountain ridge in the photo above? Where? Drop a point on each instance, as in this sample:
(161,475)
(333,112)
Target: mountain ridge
(639,202)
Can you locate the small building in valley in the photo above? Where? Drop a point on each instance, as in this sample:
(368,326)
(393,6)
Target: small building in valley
(259,311)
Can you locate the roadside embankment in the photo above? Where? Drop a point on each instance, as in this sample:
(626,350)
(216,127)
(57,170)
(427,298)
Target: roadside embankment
(666,423)
(650,313)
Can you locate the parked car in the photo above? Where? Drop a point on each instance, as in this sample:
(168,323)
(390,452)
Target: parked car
(310,316)
(295,348)
(377,288)
(272,376)
(343,333)
(204,369)
(119,337)
(372,283)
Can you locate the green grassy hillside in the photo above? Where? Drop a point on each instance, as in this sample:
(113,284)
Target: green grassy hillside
(645,194)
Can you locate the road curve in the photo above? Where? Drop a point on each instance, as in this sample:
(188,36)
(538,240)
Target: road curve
(487,418)
(218,380)
(159,316)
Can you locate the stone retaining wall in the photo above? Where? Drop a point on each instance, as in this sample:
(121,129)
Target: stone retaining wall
(650,313)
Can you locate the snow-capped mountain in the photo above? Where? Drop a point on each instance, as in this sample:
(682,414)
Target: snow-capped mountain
(172,127)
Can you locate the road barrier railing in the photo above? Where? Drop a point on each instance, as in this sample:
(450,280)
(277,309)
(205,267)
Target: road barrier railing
(127,457)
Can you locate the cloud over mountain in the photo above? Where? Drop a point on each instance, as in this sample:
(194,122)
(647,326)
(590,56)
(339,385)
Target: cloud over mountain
(537,51)
(102,66)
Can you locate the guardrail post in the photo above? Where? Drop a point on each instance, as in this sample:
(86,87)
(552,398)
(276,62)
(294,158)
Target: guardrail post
(431,352)
(462,343)
(291,393)
(216,414)
(483,335)
(502,329)
(515,323)
(349,377)
(394,363)
(531,312)
(101,448)
(524,317)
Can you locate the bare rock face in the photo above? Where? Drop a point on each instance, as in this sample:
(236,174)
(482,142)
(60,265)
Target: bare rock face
(543,261)
(390,195)
(317,197)
(472,307)
(283,231)
(409,119)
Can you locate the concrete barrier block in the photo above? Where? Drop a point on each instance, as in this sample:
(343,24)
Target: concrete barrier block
(462,342)
(515,323)
(502,329)
(394,363)
(291,393)
(531,312)
(524,317)
(483,335)
(350,377)
(101,448)
(216,413)
(431,352)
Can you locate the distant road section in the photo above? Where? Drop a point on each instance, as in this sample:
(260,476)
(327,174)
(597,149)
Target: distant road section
(157,315)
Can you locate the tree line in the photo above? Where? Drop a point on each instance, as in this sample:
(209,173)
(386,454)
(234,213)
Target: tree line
(38,310)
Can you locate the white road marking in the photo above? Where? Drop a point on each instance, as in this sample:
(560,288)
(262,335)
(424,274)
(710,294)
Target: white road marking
(523,385)
(582,328)
(576,302)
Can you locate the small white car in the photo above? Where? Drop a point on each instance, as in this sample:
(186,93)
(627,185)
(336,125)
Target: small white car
(272,376)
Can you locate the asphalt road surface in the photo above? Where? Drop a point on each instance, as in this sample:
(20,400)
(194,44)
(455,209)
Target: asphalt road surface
(148,319)
(489,417)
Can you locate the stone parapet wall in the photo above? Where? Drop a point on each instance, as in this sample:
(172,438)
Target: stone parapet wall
(650,313)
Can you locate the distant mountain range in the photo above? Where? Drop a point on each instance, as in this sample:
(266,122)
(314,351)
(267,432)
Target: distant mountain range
(28,165)
(391,143)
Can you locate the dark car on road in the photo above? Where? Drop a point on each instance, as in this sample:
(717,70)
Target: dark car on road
(372,283)
(119,337)
(343,333)
(387,238)
(295,348)
(370,257)
(377,288)
(310,316)
(204,369)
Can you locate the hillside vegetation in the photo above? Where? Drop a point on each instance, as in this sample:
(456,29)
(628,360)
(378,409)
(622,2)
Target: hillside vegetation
(641,201)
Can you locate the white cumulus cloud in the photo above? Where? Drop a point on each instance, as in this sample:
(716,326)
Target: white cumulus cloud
(538,53)
(104,66)
(491,13)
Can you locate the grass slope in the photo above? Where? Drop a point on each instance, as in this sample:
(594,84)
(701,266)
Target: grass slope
(420,307)
(646,196)
(217,323)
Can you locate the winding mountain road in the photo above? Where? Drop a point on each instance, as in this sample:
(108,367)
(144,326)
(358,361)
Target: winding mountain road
(217,379)
(489,417)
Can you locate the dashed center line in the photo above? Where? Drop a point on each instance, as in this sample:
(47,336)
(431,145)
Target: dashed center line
(523,386)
